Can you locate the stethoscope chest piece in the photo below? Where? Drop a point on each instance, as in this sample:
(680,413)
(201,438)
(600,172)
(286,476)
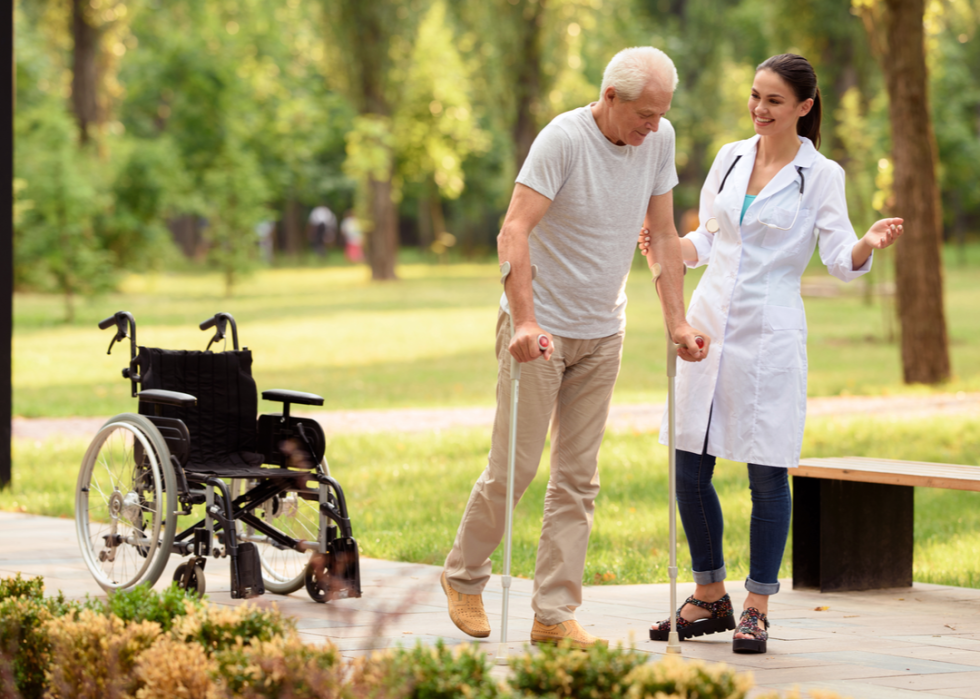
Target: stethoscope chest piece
(712,225)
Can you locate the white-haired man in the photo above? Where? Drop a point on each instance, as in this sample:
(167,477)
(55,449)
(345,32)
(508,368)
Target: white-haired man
(593,178)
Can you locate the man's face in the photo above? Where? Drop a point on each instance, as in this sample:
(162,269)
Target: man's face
(632,121)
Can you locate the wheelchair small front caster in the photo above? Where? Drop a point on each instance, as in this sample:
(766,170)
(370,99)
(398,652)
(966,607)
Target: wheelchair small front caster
(317,578)
(195,579)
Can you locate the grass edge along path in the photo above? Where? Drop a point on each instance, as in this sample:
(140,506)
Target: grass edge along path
(407,493)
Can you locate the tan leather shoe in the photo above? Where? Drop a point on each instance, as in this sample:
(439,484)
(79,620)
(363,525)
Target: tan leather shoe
(466,611)
(571,629)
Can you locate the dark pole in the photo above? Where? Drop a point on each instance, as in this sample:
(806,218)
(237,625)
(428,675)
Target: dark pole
(6,245)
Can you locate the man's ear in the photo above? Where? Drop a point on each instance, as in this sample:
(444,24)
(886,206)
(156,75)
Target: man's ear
(610,94)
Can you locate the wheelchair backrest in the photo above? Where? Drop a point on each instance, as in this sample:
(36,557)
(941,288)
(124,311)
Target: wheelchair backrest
(224,420)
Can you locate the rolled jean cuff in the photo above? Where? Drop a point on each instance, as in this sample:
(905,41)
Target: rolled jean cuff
(710,576)
(761,588)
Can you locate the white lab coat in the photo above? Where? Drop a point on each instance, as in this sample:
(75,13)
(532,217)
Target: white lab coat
(753,382)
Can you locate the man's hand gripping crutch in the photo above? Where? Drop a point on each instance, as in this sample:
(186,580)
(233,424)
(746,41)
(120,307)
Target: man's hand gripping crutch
(684,341)
(526,344)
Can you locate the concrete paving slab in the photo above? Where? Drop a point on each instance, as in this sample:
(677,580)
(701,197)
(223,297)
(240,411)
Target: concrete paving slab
(922,641)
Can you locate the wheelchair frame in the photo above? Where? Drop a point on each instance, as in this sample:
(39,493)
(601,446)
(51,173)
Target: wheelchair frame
(146,457)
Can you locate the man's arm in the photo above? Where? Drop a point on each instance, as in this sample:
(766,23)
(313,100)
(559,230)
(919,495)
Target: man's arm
(525,211)
(665,248)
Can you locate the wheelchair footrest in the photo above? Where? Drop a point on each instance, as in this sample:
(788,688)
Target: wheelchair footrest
(336,574)
(344,568)
(248,581)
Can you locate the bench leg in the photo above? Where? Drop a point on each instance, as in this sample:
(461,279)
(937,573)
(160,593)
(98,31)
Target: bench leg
(851,536)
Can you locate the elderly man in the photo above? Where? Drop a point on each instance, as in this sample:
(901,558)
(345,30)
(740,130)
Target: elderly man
(594,176)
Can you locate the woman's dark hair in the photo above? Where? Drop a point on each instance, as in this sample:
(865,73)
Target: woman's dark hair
(799,74)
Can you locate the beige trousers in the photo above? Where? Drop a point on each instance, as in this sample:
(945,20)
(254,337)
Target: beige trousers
(572,391)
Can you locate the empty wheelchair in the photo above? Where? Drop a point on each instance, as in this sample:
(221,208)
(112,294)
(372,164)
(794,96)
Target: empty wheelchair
(258,491)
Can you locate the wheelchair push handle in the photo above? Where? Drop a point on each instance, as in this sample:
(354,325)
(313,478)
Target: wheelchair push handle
(125,327)
(219,322)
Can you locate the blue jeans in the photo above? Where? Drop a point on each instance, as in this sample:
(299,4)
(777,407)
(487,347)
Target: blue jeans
(704,525)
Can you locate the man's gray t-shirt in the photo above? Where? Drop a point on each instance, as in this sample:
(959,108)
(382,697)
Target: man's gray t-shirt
(583,246)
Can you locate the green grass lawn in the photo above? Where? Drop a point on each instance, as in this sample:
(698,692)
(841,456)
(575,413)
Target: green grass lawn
(407,493)
(425,341)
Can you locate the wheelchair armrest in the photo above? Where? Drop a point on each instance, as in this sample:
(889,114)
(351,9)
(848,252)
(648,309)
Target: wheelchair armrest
(160,397)
(281,395)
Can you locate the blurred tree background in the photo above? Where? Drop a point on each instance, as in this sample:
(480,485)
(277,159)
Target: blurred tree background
(161,134)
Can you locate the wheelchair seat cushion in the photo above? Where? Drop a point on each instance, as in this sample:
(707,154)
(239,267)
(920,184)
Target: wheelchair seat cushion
(224,437)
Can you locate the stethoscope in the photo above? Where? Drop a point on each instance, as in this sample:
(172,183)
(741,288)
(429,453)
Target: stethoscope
(712,223)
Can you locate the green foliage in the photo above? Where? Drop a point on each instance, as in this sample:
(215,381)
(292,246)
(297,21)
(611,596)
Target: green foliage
(218,629)
(95,654)
(562,670)
(435,128)
(31,588)
(235,191)
(425,672)
(24,642)
(147,190)
(143,603)
(57,245)
(283,666)
(690,679)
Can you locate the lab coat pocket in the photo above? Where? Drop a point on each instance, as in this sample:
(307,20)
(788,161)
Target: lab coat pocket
(782,228)
(784,338)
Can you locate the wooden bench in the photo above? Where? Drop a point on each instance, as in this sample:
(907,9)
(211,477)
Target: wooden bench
(853,519)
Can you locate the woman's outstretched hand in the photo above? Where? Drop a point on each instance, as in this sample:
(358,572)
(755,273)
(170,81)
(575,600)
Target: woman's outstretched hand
(881,234)
(884,233)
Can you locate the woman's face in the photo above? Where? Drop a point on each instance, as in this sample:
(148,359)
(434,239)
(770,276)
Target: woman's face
(773,105)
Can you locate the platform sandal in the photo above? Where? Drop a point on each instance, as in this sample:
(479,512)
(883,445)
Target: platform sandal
(754,623)
(722,619)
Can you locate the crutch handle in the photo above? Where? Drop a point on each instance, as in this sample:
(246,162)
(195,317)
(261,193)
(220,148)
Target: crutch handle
(543,342)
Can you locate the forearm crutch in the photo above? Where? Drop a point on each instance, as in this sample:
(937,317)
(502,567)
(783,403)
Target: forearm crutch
(515,382)
(673,640)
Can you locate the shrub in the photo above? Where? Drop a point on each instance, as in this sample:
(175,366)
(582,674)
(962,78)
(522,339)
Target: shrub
(218,628)
(95,654)
(564,671)
(691,679)
(282,667)
(427,673)
(32,588)
(142,603)
(172,669)
(24,643)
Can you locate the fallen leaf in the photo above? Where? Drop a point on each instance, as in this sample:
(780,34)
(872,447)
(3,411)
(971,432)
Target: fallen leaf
(820,609)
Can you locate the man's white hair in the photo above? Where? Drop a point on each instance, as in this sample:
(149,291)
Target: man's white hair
(631,70)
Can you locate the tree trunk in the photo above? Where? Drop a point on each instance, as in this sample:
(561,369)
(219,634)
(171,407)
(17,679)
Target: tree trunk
(918,261)
(527,85)
(426,229)
(294,232)
(383,238)
(85,71)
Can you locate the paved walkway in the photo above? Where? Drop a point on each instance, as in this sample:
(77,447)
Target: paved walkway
(643,417)
(921,642)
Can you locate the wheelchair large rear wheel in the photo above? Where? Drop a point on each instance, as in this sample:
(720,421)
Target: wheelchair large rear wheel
(283,569)
(125,504)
